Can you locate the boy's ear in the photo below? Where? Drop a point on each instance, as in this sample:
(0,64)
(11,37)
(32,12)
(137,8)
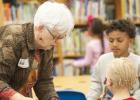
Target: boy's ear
(38,32)
(131,42)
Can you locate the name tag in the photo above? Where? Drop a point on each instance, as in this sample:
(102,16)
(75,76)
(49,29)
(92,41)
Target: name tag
(23,63)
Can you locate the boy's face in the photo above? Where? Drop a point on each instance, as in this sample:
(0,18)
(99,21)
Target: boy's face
(119,43)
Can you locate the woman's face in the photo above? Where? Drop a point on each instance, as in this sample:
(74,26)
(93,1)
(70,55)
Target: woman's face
(48,40)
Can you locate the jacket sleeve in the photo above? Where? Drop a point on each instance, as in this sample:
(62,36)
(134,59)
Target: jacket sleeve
(7,65)
(44,87)
(96,84)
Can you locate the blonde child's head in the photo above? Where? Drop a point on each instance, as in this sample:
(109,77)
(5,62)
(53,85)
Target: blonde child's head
(121,73)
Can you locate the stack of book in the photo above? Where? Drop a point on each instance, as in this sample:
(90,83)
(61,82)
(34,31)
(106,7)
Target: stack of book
(20,13)
(83,8)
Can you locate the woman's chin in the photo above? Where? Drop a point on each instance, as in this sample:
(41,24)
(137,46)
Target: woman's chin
(48,48)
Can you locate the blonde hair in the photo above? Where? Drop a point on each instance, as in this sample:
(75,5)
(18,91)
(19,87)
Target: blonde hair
(122,73)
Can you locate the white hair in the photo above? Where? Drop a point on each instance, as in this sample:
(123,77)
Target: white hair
(55,16)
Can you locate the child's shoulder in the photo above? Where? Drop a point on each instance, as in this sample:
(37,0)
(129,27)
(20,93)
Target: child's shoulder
(134,56)
(106,56)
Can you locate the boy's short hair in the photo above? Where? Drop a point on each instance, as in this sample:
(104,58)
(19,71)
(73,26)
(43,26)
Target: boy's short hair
(122,73)
(123,26)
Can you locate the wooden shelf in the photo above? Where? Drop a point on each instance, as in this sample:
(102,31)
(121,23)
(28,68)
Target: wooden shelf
(80,25)
(55,56)
(73,56)
(1,13)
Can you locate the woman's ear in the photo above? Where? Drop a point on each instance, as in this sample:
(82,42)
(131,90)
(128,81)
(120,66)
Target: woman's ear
(38,32)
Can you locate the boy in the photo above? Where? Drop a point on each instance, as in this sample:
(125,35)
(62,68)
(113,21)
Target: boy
(121,34)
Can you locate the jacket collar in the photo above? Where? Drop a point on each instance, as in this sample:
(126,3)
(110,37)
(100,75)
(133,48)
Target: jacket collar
(28,29)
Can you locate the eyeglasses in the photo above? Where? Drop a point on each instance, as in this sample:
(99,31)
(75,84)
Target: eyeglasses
(50,33)
(57,36)
(105,80)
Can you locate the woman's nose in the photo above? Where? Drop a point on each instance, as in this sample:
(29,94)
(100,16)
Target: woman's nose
(54,42)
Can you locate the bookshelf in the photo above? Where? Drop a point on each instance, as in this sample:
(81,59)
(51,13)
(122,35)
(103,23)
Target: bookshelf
(128,9)
(119,4)
(1,13)
(81,9)
(19,11)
